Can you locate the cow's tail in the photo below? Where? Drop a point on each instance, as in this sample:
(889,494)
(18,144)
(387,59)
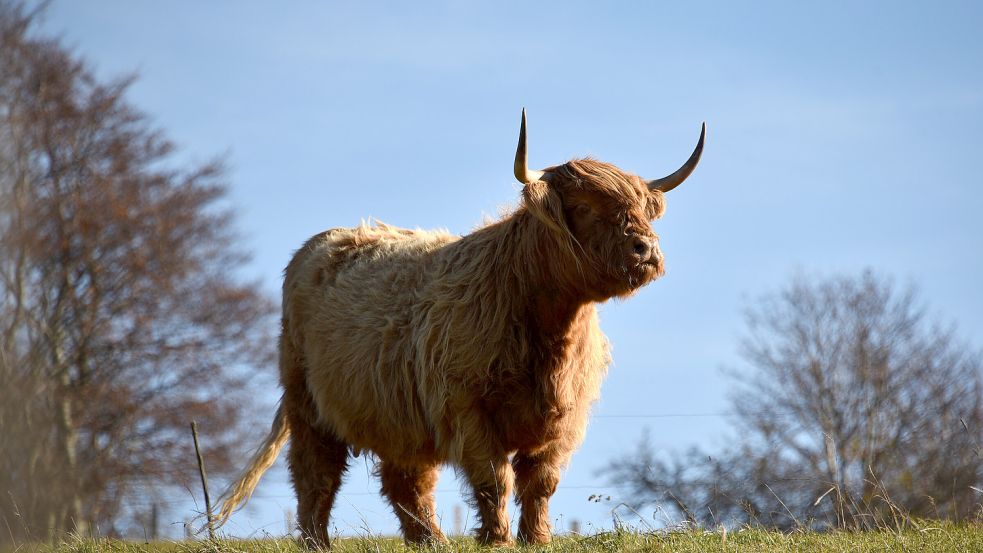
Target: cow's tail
(239,491)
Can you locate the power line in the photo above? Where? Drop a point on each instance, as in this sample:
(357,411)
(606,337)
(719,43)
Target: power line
(378,493)
(770,412)
(662,415)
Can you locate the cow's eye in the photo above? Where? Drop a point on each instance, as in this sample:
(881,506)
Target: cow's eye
(582,210)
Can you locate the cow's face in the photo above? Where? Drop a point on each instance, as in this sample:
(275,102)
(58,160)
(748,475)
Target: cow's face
(607,214)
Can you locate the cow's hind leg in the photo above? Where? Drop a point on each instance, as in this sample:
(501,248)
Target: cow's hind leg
(317,463)
(317,458)
(536,478)
(409,490)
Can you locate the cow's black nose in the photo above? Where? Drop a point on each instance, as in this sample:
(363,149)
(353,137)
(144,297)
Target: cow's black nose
(642,247)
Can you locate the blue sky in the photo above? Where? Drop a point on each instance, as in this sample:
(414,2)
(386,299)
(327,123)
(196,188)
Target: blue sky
(842,135)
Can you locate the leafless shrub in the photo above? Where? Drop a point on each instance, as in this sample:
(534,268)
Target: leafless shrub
(857,412)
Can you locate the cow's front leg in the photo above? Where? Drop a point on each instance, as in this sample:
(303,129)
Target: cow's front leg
(410,492)
(536,478)
(491,480)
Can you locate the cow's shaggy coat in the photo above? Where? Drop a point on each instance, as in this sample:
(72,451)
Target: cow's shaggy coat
(481,351)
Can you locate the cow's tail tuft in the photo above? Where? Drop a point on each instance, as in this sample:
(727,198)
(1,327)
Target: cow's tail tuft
(239,491)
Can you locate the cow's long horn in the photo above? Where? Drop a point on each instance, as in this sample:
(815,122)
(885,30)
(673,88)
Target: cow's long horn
(522,171)
(666,184)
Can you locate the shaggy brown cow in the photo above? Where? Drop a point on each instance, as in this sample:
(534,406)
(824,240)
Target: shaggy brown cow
(426,348)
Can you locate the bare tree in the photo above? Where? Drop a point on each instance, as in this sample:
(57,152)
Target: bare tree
(856,411)
(121,316)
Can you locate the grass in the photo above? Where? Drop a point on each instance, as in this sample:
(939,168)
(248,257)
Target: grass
(928,537)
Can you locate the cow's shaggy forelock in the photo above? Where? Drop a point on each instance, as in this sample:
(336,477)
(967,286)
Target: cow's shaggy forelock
(608,179)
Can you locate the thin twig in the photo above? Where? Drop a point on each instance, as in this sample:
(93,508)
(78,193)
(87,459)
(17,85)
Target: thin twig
(204,481)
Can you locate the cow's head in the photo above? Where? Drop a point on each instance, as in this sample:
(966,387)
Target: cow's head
(605,213)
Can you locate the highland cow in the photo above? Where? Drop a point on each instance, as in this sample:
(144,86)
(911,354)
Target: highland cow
(481,351)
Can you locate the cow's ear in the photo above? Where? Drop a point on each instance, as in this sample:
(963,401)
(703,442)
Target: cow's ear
(543,201)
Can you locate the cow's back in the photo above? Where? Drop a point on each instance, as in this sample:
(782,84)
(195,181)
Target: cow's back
(349,297)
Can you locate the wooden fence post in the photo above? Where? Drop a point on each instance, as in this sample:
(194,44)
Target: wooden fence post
(204,481)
